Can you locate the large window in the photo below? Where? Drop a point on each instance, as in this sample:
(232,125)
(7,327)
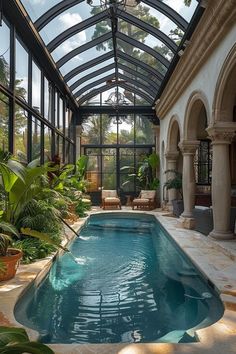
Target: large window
(4,122)
(20,134)
(111,163)
(21,71)
(47,143)
(36,87)
(203,163)
(5,54)
(36,138)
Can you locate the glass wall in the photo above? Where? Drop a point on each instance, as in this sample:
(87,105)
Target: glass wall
(5,54)
(21,71)
(27,105)
(4,122)
(104,140)
(20,133)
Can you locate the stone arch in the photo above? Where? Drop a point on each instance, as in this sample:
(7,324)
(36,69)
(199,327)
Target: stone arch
(197,116)
(173,135)
(225,92)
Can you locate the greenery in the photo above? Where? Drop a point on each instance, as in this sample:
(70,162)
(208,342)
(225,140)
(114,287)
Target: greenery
(33,200)
(146,174)
(16,341)
(174,182)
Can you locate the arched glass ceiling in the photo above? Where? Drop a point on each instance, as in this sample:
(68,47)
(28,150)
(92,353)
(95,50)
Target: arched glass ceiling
(96,49)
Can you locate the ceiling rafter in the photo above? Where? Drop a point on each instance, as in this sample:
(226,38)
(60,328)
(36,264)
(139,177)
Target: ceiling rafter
(83,47)
(144,48)
(149,29)
(54,11)
(110,77)
(107,87)
(169,12)
(81,26)
(129,70)
(89,64)
(91,75)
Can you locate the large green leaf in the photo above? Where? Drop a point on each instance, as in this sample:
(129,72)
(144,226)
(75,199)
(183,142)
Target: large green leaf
(153,160)
(21,192)
(12,335)
(8,227)
(41,236)
(8,178)
(28,347)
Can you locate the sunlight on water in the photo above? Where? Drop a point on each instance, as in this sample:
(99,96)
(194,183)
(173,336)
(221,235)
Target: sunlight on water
(120,283)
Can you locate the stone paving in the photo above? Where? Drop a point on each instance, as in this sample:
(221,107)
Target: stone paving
(216,260)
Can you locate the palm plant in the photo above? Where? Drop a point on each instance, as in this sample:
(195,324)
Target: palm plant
(145,176)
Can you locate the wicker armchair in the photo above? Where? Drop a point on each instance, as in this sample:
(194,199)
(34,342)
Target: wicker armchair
(145,200)
(110,199)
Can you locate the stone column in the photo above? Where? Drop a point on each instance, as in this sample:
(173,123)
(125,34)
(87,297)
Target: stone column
(188,149)
(78,140)
(221,135)
(171,157)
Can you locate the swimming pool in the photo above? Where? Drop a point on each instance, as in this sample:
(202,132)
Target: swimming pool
(127,281)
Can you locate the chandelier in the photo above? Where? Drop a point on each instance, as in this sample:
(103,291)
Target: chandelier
(116,99)
(108,4)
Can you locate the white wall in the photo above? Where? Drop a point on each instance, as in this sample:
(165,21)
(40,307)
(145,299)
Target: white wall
(205,81)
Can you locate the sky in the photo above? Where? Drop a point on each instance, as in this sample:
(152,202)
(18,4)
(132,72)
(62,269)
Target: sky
(80,12)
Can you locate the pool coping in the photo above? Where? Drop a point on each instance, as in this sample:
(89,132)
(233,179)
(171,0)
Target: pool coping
(214,260)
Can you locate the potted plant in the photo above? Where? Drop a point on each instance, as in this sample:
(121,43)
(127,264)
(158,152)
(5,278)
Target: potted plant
(175,182)
(9,258)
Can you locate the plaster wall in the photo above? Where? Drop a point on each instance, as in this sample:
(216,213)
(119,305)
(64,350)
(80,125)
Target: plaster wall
(204,83)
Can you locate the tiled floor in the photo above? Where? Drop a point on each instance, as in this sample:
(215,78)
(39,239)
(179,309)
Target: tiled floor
(216,260)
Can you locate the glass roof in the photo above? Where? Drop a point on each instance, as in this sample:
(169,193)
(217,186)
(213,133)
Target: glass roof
(97,49)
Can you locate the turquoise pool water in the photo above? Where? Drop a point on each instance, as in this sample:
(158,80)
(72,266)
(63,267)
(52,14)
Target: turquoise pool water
(127,281)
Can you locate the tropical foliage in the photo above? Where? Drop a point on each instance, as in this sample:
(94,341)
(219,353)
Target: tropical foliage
(146,175)
(33,201)
(16,341)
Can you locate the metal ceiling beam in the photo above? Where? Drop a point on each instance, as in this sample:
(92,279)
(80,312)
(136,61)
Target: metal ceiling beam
(84,47)
(169,12)
(108,87)
(16,14)
(95,92)
(149,29)
(111,76)
(76,29)
(146,79)
(93,84)
(144,48)
(139,63)
(91,75)
(137,84)
(88,65)
(66,4)
(54,12)
(139,93)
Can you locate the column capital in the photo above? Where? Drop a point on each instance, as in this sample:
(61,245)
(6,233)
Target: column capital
(189,146)
(222,132)
(171,155)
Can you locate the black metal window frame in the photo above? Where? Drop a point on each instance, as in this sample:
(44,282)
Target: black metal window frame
(203,166)
(27,105)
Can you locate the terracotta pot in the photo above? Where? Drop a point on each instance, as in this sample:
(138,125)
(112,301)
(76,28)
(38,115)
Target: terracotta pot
(10,263)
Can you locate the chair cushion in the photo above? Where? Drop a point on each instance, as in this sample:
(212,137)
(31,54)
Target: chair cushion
(141,201)
(111,200)
(147,194)
(106,193)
